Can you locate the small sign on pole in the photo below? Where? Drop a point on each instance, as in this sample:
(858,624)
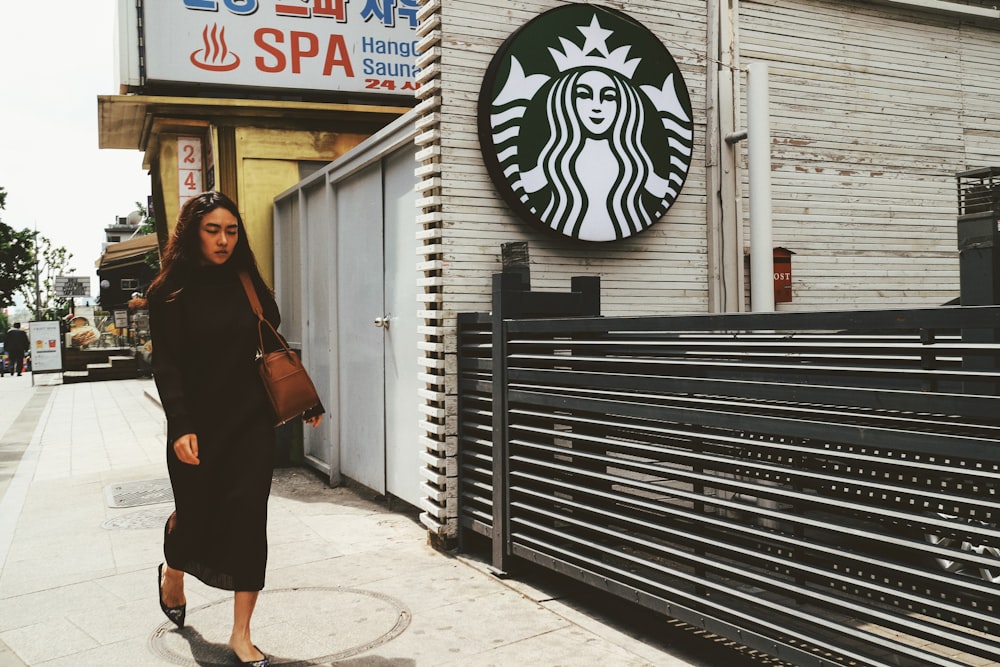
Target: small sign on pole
(72,286)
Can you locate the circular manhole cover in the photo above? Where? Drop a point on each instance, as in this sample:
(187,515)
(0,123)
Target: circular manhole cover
(293,626)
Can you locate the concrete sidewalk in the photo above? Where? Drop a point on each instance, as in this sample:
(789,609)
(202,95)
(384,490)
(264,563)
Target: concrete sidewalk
(349,582)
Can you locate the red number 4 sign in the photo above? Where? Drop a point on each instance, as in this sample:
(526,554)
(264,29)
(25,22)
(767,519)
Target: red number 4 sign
(189,168)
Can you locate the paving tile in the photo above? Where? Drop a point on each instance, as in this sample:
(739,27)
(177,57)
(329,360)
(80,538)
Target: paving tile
(132,653)
(17,581)
(133,548)
(114,623)
(287,554)
(565,647)
(445,634)
(283,526)
(35,644)
(41,606)
(8,658)
(139,586)
(442,584)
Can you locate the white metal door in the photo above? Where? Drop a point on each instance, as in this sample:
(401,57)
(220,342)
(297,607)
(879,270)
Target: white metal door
(402,411)
(312,322)
(361,352)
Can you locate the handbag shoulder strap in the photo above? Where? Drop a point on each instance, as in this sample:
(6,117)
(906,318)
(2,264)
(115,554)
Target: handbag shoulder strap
(259,312)
(251,294)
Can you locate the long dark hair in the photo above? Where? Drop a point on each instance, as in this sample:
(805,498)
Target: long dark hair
(183,253)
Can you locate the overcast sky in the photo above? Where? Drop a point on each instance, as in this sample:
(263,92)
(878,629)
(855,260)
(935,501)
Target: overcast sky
(57,57)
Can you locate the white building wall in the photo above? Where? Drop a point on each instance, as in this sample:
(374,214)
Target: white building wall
(981,91)
(875,107)
(465,221)
(869,126)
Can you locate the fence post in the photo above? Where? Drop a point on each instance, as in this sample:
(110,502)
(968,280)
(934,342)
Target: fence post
(505,285)
(513,299)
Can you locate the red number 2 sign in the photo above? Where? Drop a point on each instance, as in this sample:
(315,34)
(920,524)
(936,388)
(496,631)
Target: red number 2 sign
(189,168)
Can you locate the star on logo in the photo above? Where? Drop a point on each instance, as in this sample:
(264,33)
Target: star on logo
(596,37)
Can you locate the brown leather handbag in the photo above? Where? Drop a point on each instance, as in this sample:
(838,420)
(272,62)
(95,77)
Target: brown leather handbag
(289,387)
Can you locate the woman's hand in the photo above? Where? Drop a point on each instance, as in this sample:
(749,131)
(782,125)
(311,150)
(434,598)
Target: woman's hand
(314,421)
(186,449)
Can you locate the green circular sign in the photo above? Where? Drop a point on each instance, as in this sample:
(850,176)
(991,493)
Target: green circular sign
(585,123)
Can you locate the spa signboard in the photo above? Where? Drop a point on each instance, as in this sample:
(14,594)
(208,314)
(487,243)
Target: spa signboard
(352,46)
(585,123)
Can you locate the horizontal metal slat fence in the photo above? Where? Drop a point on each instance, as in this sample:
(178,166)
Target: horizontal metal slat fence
(820,486)
(475,408)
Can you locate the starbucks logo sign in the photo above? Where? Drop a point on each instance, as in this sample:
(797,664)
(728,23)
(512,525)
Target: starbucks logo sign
(585,123)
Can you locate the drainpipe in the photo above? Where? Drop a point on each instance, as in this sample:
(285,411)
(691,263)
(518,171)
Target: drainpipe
(759,163)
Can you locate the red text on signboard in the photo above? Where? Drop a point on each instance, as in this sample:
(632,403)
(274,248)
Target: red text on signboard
(297,47)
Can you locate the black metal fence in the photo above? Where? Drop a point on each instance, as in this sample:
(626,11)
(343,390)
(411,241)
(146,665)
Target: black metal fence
(819,486)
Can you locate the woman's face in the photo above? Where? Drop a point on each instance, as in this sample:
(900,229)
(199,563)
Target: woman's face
(596,101)
(219,233)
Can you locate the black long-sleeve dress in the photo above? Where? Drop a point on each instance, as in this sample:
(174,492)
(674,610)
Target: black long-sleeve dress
(204,344)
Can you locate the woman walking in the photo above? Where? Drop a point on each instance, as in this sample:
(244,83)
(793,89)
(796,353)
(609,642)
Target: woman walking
(220,428)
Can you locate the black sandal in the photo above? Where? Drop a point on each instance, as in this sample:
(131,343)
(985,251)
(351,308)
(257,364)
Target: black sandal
(263,662)
(175,614)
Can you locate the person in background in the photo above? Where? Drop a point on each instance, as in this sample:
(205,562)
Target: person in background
(15,344)
(220,426)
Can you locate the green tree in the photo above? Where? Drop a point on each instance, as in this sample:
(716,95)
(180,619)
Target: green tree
(148,226)
(16,262)
(52,261)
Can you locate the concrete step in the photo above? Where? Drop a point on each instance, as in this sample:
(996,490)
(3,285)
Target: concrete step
(72,377)
(117,367)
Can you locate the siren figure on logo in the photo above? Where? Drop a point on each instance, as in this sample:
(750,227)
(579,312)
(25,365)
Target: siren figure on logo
(612,155)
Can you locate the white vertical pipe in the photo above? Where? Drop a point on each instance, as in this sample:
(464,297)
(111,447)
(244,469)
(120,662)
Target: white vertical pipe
(759,162)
